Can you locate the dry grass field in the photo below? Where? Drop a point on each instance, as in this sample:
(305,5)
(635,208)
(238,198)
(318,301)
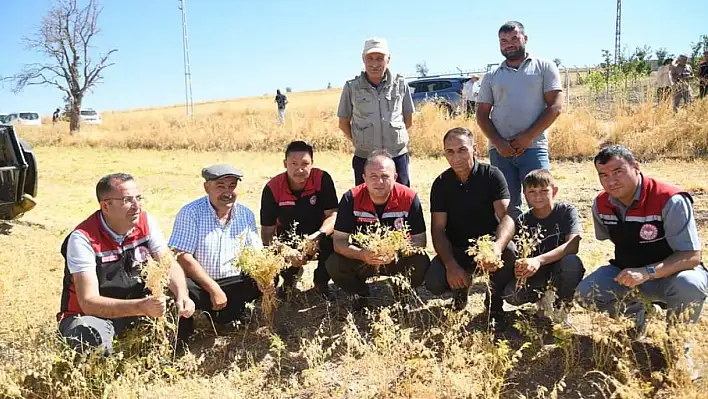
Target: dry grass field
(316,350)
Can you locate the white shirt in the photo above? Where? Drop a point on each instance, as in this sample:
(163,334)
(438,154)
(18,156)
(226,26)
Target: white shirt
(199,232)
(663,76)
(470,90)
(80,256)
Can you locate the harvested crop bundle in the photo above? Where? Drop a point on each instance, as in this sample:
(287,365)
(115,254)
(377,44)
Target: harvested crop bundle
(386,241)
(526,241)
(482,251)
(263,265)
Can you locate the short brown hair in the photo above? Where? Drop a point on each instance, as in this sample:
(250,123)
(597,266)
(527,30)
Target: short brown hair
(539,178)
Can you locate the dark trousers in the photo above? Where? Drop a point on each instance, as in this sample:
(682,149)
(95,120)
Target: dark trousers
(436,278)
(564,275)
(88,332)
(471,107)
(351,274)
(702,90)
(239,290)
(401,162)
(321,275)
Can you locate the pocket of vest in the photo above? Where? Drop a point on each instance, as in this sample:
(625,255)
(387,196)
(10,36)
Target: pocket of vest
(399,134)
(363,136)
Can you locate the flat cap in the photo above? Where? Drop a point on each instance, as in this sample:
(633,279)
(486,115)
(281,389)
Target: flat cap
(221,170)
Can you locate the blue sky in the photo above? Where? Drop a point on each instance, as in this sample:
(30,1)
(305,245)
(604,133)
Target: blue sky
(241,48)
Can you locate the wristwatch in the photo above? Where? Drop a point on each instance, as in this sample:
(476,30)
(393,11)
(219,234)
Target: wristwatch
(652,272)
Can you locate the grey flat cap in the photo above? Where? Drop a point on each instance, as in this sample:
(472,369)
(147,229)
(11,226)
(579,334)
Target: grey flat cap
(221,170)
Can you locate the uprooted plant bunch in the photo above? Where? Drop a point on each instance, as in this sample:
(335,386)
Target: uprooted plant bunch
(527,240)
(386,241)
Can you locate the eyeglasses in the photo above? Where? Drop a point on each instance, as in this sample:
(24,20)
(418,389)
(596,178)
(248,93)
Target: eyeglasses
(137,199)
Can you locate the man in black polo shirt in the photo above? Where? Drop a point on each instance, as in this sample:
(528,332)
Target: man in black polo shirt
(379,199)
(467,201)
(304,195)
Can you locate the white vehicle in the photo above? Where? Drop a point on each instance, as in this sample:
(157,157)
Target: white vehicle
(90,117)
(24,118)
(4,118)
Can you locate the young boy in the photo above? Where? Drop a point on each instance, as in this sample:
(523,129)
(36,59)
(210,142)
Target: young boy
(555,260)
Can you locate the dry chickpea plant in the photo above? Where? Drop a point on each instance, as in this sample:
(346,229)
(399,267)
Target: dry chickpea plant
(386,241)
(263,265)
(527,241)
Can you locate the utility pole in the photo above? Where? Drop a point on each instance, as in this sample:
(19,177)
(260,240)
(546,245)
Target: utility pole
(618,32)
(187,69)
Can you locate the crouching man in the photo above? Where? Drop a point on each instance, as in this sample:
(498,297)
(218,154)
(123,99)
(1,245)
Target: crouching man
(104,293)
(379,199)
(555,261)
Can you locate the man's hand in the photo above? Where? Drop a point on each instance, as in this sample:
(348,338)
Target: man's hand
(218,298)
(185,307)
(457,277)
(504,148)
(372,259)
(632,277)
(313,244)
(526,268)
(153,306)
(493,265)
(521,142)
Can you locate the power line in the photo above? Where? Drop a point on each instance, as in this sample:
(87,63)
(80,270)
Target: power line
(187,68)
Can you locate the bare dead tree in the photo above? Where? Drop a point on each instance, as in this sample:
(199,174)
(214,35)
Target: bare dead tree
(64,37)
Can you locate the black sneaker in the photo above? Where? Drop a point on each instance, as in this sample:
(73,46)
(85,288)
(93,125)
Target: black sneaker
(360,302)
(460,301)
(325,292)
(498,321)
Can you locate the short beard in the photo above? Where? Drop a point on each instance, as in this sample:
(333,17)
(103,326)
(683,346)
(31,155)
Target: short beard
(515,55)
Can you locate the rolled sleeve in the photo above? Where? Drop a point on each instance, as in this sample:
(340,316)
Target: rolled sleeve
(551,78)
(344,110)
(485,90)
(80,256)
(408,107)
(601,232)
(680,224)
(184,233)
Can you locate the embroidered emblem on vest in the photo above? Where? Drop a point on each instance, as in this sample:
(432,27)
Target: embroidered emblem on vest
(313,200)
(648,232)
(398,223)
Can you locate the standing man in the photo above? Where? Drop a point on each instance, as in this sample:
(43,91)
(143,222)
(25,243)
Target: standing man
(703,75)
(517,102)
(467,201)
(104,293)
(664,81)
(470,93)
(207,237)
(55,116)
(376,111)
(379,200)
(303,196)
(682,74)
(282,101)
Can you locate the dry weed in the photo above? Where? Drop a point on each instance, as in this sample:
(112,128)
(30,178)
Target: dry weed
(527,241)
(386,241)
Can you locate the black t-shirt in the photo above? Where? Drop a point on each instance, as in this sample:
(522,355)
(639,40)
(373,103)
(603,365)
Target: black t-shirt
(469,205)
(281,100)
(555,227)
(346,222)
(308,211)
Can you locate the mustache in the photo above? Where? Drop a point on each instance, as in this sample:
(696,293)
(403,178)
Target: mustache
(227,197)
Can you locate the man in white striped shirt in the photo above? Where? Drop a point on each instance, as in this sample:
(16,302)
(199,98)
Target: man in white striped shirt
(208,235)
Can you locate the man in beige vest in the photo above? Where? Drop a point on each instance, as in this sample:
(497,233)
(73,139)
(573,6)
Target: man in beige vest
(376,111)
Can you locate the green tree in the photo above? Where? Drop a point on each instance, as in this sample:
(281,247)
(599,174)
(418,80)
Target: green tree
(697,50)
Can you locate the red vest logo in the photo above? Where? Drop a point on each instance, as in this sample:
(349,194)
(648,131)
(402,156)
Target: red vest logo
(648,232)
(313,200)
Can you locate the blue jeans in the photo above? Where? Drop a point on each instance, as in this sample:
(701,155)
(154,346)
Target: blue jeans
(685,290)
(401,162)
(515,170)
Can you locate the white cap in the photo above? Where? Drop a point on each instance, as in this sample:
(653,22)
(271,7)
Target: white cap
(376,45)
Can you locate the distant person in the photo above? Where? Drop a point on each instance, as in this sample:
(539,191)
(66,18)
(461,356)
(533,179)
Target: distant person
(664,80)
(282,101)
(303,199)
(517,102)
(207,237)
(376,111)
(470,93)
(703,76)
(681,74)
(55,116)
(103,292)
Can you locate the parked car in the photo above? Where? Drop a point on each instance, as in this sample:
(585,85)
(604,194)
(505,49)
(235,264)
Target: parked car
(25,118)
(18,175)
(4,118)
(444,91)
(90,117)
